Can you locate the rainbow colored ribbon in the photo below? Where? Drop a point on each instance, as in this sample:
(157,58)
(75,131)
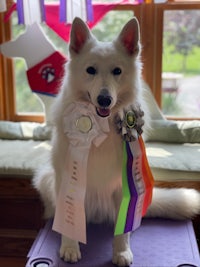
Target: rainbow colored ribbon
(137,185)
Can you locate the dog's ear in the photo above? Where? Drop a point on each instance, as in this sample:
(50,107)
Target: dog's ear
(130,37)
(80,33)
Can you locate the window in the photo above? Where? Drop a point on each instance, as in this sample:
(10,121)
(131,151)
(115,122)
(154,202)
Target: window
(18,103)
(176,74)
(180,64)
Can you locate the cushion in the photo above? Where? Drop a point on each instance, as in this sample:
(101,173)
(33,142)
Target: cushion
(174,162)
(22,157)
(24,130)
(174,131)
(169,162)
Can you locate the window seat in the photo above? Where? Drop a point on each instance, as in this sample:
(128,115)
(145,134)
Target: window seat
(20,205)
(171,162)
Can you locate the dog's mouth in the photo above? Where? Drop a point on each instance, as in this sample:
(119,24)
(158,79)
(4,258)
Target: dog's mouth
(103,112)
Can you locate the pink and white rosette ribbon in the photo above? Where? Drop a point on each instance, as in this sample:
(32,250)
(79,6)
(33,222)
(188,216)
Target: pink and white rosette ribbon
(83,128)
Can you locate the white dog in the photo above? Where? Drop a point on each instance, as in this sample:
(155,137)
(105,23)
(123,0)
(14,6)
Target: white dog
(106,75)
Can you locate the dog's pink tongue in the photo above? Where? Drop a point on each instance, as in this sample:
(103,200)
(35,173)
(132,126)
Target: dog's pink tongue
(103,112)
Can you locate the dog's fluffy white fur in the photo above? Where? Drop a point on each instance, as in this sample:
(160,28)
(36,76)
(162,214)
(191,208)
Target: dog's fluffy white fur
(93,69)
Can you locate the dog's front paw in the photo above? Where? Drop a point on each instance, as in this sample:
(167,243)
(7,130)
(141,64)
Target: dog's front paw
(123,258)
(69,250)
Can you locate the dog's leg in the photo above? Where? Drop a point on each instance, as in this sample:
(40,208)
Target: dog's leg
(122,254)
(70,250)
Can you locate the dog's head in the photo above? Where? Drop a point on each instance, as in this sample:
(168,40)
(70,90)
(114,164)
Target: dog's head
(105,73)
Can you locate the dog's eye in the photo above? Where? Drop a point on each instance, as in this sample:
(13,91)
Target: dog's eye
(91,70)
(116,71)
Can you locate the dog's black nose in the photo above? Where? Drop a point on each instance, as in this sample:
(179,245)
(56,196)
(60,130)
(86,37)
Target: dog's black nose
(104,99)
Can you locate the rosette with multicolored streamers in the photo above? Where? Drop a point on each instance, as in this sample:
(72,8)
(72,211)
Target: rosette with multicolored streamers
(137,179)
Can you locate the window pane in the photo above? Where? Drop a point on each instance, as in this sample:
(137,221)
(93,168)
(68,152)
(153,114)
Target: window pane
(109,27)
(181,64)
(26,101)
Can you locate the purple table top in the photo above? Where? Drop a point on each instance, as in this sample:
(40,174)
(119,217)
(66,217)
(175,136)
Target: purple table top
(157,243)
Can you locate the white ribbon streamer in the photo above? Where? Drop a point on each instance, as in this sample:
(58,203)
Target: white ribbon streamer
(83,127)
(75,8)
(139,183)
